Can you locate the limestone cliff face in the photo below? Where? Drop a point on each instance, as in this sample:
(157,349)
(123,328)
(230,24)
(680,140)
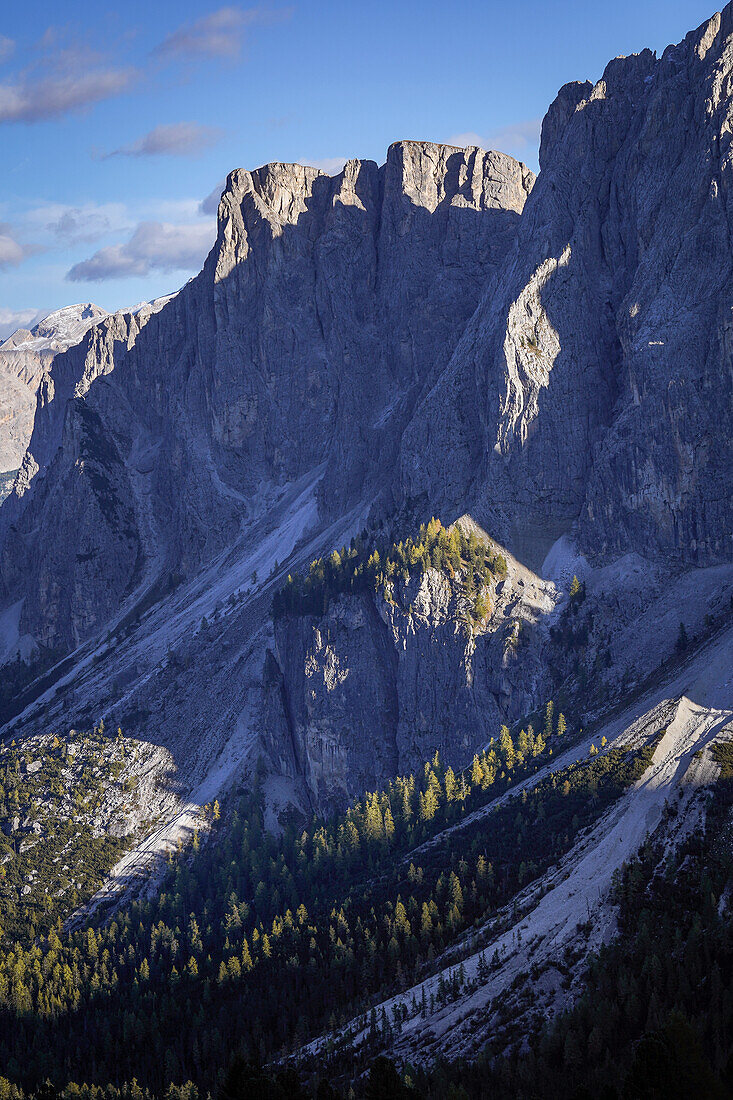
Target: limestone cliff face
(68,594)
(324,309)
(434,335)
(373,687)
(74,528)
(336,300)
(19,375)
(593,386)
(24,357)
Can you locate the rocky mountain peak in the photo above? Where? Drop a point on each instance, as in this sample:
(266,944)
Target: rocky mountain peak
(391,560)
(627,221)
(430,174)
(66,326)
(24,357)
(326,302)
(423,172)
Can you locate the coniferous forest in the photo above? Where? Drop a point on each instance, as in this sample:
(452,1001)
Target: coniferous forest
(256,943)
(366,588)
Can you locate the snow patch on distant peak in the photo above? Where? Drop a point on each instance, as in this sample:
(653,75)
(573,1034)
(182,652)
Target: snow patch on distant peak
(154,305)
(58,330)
(66,326)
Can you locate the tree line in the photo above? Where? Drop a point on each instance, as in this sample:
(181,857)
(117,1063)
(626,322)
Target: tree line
(363,567)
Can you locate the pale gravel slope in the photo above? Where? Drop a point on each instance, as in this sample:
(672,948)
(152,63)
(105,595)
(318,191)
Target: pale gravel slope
(577,891)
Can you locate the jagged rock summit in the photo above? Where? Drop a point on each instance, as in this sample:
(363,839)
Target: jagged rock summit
(24,356)
(390,562)
(592,390)
(326,307)
(437,335)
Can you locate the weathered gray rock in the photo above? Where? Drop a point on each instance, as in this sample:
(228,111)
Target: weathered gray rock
(593,386)
(71,544)
(326,306)
(372,688)
(414,336)
(337,299)
(24,357)
(87,527)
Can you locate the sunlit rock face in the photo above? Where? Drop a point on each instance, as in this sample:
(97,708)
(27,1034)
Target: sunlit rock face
(377,684)
(326,307)
(24,356)
(593,385)
(338,299)
(437,335)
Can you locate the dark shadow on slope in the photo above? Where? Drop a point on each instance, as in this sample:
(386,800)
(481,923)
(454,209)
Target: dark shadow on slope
(197,391)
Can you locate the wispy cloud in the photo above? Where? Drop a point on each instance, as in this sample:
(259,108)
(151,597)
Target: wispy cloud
(330,165)
(210,205)
(154,246)
(12,319)
(220,34)
(64,85)
(518,135)
(518,138)
(12,252)
(178,211)
(7,48)
(467,140)
(70,224)
(179,139)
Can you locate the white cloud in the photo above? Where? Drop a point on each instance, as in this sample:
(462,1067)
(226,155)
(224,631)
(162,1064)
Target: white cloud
(154,246)
(7,48)
(467,140)
(519,135)
(210,205)
(32,99)
(78,224)
(168,210)
(330,165)
(12,319)
(86,222)
(518,138)
(220,34)
(180,139)
(11,251)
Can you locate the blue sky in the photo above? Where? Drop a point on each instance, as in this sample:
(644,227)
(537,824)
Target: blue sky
(117,121)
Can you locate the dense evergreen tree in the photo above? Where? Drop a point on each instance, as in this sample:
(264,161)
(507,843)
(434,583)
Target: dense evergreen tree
(386,566)
(256,943)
